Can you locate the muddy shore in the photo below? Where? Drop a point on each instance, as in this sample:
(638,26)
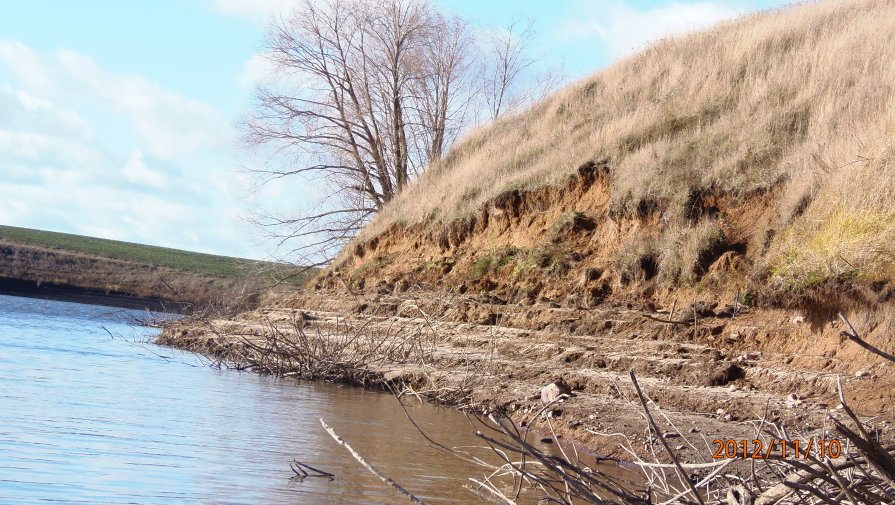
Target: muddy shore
(713,375)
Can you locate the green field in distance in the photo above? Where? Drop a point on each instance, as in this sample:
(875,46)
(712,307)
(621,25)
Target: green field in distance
(199,263)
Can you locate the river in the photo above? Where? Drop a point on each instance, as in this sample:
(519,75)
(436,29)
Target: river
(90,412)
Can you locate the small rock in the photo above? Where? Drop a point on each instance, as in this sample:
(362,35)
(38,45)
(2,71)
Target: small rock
(670,435)
(793,401)
(700,308)
(733,389)
(547,440)
(679,448)
(862,373)
(798,320)
(749,356)
(551,392)
(720,412)
(726,312)
(721,373)
(740,495)
(693,430)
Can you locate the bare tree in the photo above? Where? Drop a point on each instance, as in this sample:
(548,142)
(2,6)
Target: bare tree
(338,108)
(507,80)
(505,60)
(444,91)
(366,94)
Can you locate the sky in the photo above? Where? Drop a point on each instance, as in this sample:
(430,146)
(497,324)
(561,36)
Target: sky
(118,119)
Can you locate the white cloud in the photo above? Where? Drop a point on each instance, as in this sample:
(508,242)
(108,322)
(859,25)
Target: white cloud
(256,70)
(32,102)
(23,144)
(625,30)
(25,63)
(24,111)
(136,171)
(39,140)
(85,149)
(257,11)
(170,124)
(45,150)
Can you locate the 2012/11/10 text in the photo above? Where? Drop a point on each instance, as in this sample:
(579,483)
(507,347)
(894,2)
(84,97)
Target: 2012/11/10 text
(777,448)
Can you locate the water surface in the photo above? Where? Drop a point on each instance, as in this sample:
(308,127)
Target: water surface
(89,413)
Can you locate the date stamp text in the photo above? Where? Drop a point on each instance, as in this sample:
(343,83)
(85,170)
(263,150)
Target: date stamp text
(777,448)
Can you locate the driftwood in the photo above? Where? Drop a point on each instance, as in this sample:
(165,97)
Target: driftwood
(303,471)
(862,475)
(383,477)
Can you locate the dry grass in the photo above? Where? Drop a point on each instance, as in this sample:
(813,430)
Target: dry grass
(681,259)
(787,99)
(848,230)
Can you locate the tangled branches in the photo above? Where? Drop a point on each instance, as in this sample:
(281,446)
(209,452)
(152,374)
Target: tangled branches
(295,347)
(862,471)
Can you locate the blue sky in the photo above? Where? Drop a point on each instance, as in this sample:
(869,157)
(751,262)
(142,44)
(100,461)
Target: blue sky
(117,118)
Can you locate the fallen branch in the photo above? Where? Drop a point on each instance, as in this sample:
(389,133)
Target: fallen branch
(852,335)
(301,471)
(685,479)
(876,455)
(383,477)
(668,321)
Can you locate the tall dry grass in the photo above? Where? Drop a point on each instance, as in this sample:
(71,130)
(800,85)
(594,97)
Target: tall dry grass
(847,230)
(786,99)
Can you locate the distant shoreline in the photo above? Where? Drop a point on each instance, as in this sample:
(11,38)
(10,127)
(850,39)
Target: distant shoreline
(68,293)
(40,263)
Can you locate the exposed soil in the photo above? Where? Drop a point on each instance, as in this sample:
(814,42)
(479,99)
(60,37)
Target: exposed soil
(714,374)
(565,244)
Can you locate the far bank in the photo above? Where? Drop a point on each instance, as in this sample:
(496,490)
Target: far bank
(73,267)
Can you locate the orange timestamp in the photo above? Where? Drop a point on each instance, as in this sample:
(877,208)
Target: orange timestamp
(777,448)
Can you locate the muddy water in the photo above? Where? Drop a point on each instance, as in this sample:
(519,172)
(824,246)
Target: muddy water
(89,414)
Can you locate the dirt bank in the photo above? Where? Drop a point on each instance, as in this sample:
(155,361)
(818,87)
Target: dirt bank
(714,373)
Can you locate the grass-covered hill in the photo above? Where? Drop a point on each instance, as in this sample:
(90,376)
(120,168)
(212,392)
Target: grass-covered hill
(756,155)
(187,261)
(69,261)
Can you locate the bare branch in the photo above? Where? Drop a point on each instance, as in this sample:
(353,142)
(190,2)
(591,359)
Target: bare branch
(383,477)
